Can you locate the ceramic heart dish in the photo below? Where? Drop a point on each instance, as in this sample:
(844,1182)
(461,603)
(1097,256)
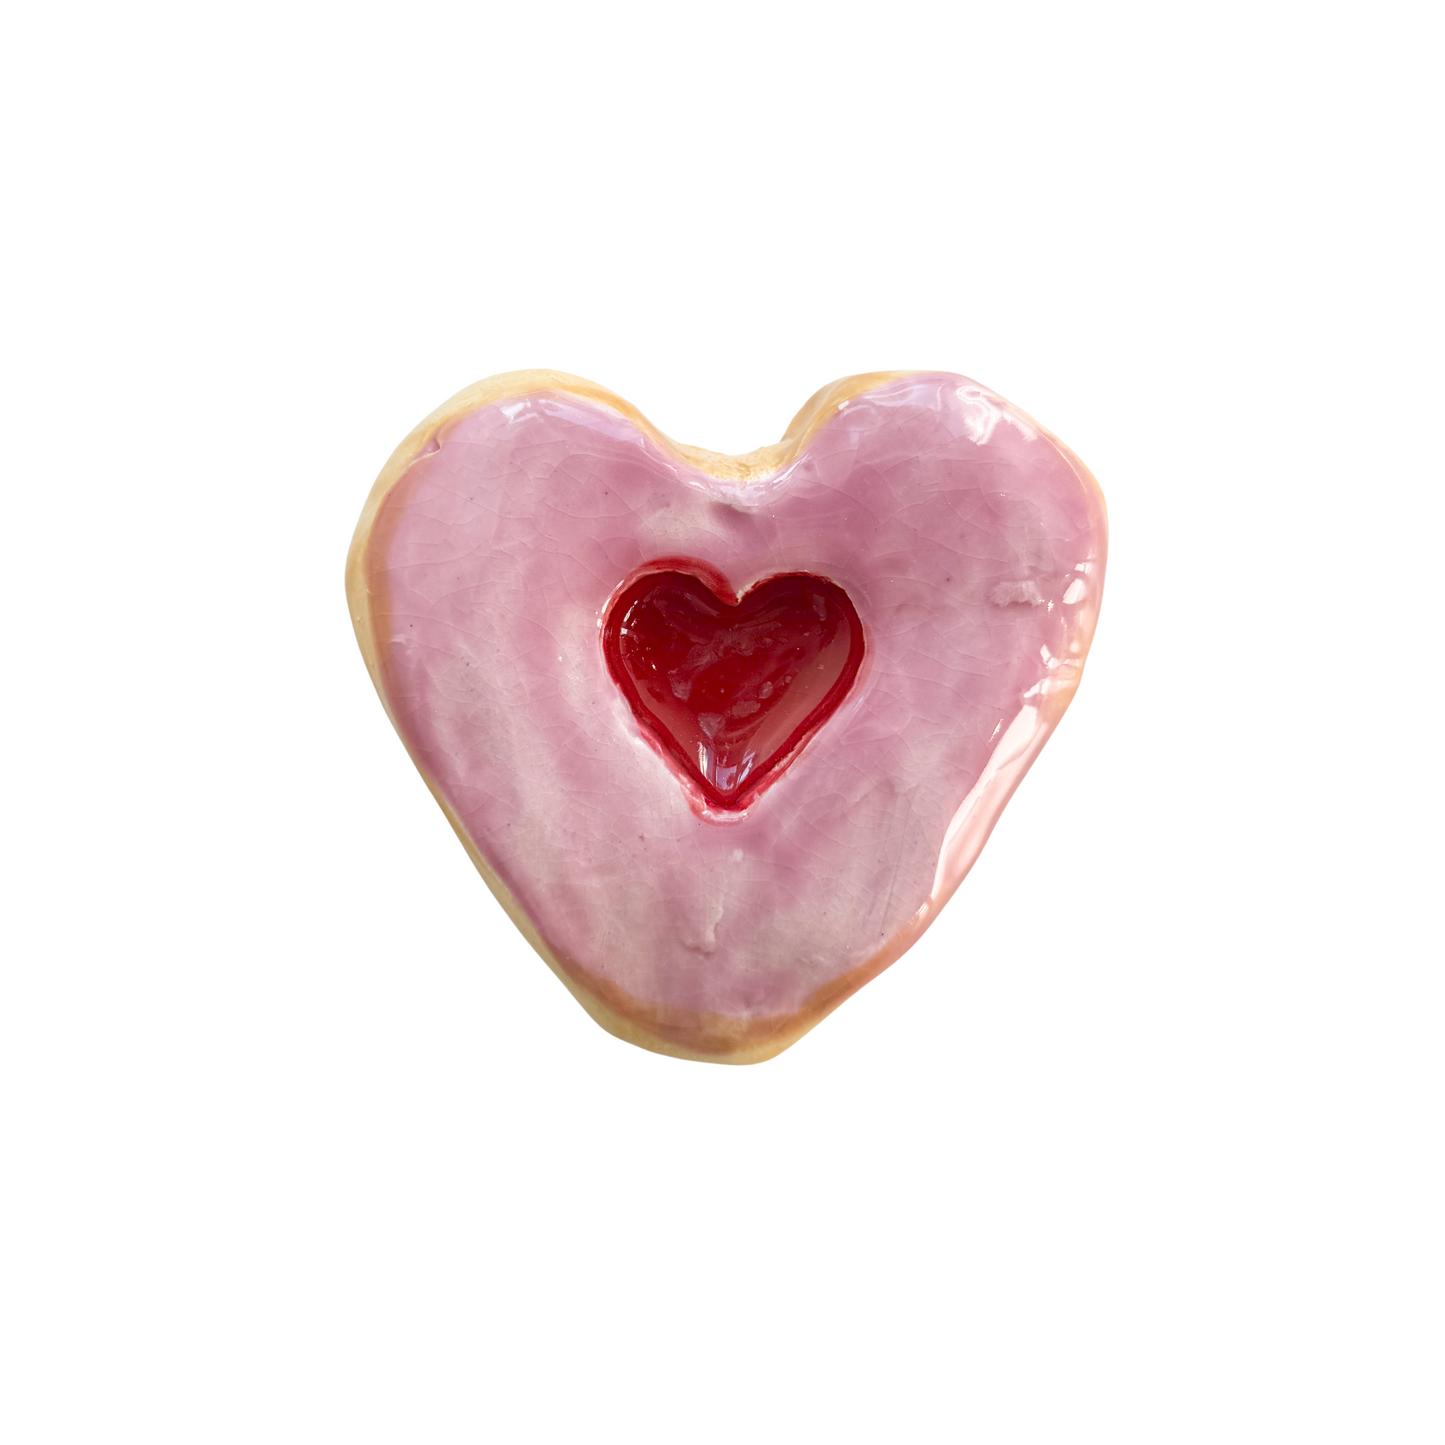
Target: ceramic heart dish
(723,734)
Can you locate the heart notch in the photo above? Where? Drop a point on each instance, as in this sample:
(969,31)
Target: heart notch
(730,688)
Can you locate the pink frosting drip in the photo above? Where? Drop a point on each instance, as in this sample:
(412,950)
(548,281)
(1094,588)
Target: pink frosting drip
(972,546)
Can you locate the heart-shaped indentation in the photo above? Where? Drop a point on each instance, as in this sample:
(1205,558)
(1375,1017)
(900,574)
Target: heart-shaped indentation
(732,687)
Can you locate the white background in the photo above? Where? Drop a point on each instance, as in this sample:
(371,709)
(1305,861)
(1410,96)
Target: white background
(301,1143)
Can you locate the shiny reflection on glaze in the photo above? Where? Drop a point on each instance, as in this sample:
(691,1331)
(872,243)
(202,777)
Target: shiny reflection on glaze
(732,688)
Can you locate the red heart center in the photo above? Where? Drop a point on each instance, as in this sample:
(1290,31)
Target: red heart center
(732,687)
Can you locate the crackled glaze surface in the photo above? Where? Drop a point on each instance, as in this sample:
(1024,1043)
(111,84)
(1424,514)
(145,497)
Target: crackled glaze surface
(972,546)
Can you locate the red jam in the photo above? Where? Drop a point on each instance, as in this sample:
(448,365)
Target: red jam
(732,687)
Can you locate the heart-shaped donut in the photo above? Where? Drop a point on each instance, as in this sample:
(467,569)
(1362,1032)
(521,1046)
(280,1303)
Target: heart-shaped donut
(723,734)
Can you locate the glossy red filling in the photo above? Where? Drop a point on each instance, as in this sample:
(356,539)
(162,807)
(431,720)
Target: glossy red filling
(732,687)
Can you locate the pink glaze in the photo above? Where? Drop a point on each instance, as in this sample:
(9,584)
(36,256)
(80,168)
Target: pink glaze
(972,546)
